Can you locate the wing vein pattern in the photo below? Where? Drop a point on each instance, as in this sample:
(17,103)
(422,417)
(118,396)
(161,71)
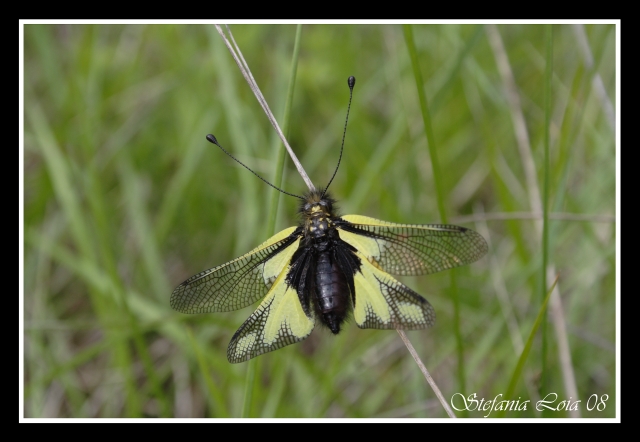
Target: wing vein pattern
(238,283)
(278,321)
(382,302)
(411,249)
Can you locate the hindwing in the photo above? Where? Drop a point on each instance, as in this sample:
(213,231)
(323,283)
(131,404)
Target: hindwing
(382,302)
(411,249)
(240,282)
(278,321)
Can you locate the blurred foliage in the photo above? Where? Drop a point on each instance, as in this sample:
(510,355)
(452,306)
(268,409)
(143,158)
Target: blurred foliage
(124,199)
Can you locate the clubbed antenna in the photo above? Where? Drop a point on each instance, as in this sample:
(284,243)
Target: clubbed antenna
(351,82)
(246,72)
(213,140)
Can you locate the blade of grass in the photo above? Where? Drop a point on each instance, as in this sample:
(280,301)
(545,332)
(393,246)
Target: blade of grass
(44,41)
(142,226)
(116,337)
(60,172)
(566,146)
(248,76)
(438,183)
(454,71)
(275,199)
(79,358)
(181,179)
(325,385)
(524,146)
(501,216)
(426,119)
(517,116)
(216,398)
(545,196)
(35,340)
(598,85)
(286,124)
(527,348)
(248,387)
(426,374)
(277,387)
(376,163)
(241,138)
(104,236)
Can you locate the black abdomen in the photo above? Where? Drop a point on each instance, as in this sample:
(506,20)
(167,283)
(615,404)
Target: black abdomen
(332,292)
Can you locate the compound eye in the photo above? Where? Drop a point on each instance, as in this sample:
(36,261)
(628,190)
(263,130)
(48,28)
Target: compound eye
(323,203)
(307,207)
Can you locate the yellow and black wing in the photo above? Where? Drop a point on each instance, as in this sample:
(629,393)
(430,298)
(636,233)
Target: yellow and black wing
(411,249)
(240,282)
(383,302)
(278,321)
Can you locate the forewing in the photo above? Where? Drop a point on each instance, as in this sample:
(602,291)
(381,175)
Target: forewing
(240,282)
(382,302)
(278,321)
(411,249)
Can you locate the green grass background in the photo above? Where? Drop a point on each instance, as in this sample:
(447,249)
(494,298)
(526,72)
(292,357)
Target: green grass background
(124,199)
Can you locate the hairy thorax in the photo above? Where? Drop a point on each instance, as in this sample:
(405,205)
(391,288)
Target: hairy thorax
(318,216)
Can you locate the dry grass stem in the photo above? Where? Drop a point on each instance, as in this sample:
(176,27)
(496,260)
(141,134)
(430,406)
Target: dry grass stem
(597,82)
(246,73)
(501,216)
(425,372)
(535,201)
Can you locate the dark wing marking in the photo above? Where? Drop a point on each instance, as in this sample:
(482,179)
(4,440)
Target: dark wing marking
(411,249)
(384,303)
(278,321)
(302,276)
(240,282)
(348,261)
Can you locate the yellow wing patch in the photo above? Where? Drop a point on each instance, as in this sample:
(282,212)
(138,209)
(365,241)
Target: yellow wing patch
(238,283)
(382,302)
(360,219)
(412,249)
(277,322)
(273,267)
(369,247)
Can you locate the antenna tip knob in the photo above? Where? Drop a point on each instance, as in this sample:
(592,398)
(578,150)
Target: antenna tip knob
(212,139)
(351,81)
